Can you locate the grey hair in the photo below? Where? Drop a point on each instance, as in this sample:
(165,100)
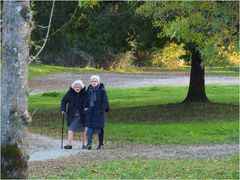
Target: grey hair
(96,77)
(78,82)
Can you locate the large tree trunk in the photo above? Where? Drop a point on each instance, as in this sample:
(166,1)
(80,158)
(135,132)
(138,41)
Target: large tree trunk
(196,90)
(16,32)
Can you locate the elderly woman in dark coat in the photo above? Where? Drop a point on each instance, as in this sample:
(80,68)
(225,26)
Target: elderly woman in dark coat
(75,99)
(95,107)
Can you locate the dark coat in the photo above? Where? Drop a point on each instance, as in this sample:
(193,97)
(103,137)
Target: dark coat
(75,103)
(95,115)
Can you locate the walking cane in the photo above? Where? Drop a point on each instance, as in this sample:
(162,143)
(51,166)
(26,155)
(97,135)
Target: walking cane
(62,130)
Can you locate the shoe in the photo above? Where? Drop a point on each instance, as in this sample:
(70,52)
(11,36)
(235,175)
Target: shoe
(100,146)
(89,146)
(67,147)
(84,147)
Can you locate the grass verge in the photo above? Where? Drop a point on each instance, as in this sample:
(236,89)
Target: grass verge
(220,168)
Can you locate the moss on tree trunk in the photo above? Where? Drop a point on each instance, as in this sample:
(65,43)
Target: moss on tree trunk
(13,163)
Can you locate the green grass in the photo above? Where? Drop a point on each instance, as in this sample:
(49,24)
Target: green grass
(174,133)
(156,133)
(36,70)
(222,73)
(135,113)
(135,97)
(210,71)
(228,71)
(122,97)
(220,168)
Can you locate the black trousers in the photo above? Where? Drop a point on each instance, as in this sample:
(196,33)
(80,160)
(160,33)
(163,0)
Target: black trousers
(100,133)
(101,136)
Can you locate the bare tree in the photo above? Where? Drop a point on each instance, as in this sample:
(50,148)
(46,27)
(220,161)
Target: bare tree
(16,31)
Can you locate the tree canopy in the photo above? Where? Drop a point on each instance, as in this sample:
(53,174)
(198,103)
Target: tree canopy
(93,32)
(210,26)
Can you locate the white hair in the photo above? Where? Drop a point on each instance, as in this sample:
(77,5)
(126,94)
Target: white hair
(95,77)
(78,82)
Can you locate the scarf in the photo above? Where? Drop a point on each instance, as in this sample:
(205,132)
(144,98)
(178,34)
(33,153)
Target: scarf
(93,95)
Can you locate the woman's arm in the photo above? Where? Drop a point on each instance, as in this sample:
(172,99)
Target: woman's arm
(64,102)
(105,102)
(86,102)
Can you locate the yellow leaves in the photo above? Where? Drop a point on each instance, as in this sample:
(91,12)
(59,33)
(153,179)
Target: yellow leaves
(230,54)
(122,62)
(169,56)
(89,4)
(233,58)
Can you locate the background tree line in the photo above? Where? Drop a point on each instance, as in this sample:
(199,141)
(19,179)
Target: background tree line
(102,36)
(118,34)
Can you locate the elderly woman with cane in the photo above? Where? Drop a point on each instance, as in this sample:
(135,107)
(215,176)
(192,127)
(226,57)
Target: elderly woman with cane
(95,107)
(75,99)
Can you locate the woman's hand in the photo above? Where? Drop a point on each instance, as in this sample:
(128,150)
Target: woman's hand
(63,113)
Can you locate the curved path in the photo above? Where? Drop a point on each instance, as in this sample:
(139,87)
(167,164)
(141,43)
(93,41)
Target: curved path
(47,158)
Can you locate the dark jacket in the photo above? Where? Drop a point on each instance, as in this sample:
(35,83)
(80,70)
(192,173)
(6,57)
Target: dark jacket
(75,103)
(95,114)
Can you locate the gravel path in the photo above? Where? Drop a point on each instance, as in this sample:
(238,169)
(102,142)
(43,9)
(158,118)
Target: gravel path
(60,82)
(47,158)
(43,148)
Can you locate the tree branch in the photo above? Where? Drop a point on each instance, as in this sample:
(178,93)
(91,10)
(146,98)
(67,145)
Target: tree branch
(46,38)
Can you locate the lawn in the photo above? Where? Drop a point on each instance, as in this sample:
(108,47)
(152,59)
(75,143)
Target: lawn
(149,96)
(156,112)
(220,168)
(36,70)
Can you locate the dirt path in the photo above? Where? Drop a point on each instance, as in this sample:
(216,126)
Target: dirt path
(60,82)
(47,158)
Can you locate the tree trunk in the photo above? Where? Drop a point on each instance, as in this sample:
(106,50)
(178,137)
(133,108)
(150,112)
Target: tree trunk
(16,33)
(196,90)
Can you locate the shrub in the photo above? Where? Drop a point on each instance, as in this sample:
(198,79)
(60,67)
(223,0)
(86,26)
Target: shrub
(169,56)
(122,62)
(51,94)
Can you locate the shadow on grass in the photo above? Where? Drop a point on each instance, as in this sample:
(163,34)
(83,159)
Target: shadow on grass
(208,122)
(203,112)
(194,112)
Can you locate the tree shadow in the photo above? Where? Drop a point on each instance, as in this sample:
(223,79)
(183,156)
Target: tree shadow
(178,112)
